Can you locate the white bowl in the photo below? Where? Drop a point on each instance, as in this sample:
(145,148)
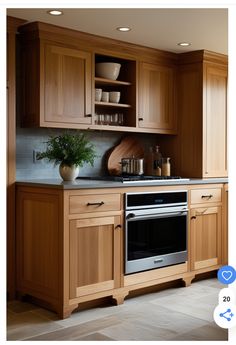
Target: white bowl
(108,70)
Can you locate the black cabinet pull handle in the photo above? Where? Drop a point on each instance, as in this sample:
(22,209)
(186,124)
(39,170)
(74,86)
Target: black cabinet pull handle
(207,196)
(193,217)
(140,118)
(118,226)
(88,115)
(95,203)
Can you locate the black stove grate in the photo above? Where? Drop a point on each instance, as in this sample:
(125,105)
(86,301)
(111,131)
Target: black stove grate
(131,178)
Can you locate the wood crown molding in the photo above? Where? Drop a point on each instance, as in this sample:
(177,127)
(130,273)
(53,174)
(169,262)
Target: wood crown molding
(202,56)
(98,44)
(13,24)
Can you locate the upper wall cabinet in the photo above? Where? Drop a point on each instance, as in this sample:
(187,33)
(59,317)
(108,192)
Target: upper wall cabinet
(201,145)
(57,85)
(59,81)
(157,105)
(215,121)
(121,112)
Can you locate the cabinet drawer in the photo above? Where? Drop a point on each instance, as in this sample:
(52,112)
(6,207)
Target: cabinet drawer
(94,203)
(200,196)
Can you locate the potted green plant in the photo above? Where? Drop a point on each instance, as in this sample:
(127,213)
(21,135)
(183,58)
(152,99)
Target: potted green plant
(71,151)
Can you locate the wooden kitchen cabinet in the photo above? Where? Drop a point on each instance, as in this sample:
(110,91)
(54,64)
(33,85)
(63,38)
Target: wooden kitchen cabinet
(126,85)
(200,149)
(65,258)
(157,98)
(58,82)
(57,85)
(94,255)
(70,243)
(206,237)
(206,228)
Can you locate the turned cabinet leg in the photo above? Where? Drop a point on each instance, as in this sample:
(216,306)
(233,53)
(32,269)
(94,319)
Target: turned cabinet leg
(188,280)
(119,299)
(66,311)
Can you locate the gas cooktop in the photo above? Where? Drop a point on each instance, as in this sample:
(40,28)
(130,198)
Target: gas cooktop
(134,178)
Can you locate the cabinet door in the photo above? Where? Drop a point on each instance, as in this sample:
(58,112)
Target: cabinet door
(94,255)
(157,97)
(205,237)
(67,85)
(215,122)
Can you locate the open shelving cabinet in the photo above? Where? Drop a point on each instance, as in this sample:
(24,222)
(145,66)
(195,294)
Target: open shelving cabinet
(125,84)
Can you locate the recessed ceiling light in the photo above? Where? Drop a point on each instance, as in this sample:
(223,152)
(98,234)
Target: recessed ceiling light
(55,12)
(123,29)
(184,44)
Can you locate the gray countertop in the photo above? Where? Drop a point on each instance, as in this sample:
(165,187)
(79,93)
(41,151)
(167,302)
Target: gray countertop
(85,184)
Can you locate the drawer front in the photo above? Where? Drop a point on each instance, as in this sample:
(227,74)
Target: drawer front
(94,203)
(206,195)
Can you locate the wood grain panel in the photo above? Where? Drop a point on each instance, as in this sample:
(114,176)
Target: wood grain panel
(206,232)
(200,149)
(157,97)
(103,202)
(39,244)
(92,259)
(225,226)
(12,25)
(67,80)
(206,195)
(189,141)
(215,121)
(94,288)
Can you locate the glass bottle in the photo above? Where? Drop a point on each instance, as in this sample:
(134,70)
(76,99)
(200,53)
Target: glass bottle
(165,166)
(157,161)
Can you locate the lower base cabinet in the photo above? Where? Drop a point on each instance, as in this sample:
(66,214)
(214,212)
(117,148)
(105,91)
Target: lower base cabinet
(94,254)
(206,236)
(206,232)
(70,244)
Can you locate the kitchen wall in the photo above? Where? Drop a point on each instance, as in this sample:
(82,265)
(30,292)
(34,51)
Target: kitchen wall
(29,139)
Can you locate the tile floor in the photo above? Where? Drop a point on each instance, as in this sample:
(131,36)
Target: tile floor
(172,314)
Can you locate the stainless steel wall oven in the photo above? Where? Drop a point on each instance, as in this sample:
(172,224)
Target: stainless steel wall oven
(155,230)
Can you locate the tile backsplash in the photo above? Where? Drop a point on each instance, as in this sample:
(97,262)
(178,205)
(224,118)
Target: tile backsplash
(30,139)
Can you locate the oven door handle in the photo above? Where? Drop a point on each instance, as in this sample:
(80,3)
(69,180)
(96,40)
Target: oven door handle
(133,216)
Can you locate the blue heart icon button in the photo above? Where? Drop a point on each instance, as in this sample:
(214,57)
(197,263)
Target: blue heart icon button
(226,275)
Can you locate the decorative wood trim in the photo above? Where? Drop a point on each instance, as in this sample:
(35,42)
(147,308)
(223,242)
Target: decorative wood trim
(94,288)
(225,225)
(81,223)
(206,263)
(99,44)
(12,25)
(147,276)
(202,55)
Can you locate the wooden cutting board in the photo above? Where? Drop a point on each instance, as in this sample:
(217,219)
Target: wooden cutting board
(129,147)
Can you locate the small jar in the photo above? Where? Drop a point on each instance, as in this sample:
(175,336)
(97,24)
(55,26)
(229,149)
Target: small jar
(165,168)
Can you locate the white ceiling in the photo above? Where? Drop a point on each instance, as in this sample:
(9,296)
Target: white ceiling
(157,28)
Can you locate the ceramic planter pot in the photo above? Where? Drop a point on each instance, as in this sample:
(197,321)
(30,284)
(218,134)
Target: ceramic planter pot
(68,173)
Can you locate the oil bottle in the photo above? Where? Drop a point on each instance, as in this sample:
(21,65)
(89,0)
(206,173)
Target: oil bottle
(157,161)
